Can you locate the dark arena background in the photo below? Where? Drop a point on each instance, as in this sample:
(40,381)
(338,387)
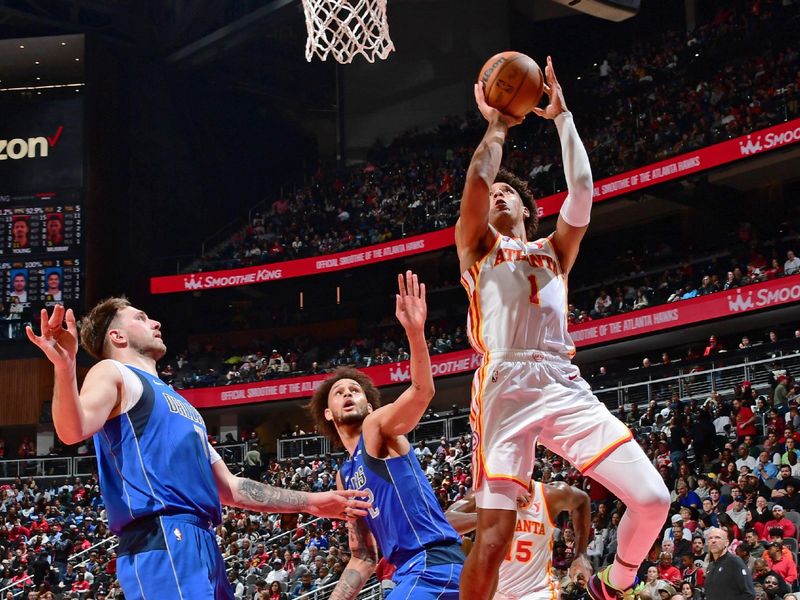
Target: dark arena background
(260,207)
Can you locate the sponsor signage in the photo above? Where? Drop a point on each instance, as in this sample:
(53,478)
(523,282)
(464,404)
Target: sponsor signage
(686,312)
(666,316)
(755,143)
(304,266)
(41,148)
(709,157)
(451,363)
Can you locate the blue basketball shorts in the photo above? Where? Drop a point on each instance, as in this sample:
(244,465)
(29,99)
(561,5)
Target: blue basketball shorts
(432,574)
(172,557)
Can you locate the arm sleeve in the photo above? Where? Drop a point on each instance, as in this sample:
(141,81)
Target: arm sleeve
(213,455)
(578,205)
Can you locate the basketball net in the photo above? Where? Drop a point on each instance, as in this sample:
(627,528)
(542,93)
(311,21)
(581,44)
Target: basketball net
(346,28)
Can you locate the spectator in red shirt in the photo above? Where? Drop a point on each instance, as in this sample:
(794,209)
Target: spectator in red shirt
(80,585)
(779,520)
(745,420)
(779,563)
(666,570)
(713,347)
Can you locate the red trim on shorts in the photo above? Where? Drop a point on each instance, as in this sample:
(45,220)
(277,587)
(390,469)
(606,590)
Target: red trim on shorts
(605,452)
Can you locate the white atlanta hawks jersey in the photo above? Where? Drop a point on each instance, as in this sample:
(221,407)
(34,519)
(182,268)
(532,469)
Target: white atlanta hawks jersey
(518,299)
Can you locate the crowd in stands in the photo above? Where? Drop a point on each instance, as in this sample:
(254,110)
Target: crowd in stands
(667,95)
(730,460)
(210,365)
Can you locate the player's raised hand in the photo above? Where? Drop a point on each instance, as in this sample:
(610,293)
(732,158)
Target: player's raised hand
(59,336)
(412,309)
(552,88)
(492,114)
(339,504)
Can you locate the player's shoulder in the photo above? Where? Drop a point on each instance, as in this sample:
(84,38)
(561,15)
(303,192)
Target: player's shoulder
(107,368)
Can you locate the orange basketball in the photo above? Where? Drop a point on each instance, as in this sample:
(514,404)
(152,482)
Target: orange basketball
(512,82)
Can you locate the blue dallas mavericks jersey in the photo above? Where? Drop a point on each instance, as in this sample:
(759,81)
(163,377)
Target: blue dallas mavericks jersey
(405,517)
(155,459)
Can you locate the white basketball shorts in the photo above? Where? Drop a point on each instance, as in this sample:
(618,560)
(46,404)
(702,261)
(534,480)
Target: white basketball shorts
(521,397)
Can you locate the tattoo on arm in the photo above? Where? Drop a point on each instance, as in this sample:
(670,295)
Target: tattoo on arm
(259,496)
(362,544)
(350,584)
(364,555)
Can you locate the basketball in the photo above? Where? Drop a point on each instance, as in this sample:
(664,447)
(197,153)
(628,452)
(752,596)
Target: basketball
(512,82)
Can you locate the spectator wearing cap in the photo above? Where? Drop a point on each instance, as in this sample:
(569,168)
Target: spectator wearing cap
(779,520)
(304,586)
(779,562)
(669,532)
(737,511)
(278,573)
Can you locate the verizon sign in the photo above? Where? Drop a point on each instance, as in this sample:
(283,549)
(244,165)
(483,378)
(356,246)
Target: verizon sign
(659,318)
(41,145)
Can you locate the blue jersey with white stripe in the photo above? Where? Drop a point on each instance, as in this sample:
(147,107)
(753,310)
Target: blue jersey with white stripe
(155,459)
(405,517)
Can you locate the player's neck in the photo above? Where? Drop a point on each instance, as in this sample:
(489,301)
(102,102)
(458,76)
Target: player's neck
(512,230)
(349,435)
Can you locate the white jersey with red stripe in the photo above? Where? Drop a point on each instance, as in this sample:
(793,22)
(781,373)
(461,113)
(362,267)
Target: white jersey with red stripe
(518,299)
(526,571)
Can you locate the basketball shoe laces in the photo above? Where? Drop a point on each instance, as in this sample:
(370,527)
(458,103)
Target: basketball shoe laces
(600,587)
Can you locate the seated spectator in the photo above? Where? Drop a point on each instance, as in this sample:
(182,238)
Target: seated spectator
(781,562)
(780,521)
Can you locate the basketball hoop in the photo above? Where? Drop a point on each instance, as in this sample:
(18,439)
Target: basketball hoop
(346,28)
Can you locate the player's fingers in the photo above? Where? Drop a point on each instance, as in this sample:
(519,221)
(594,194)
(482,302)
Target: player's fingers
(32,336)
(72,326)
(538,111)
(414,284)
(401,283)
(43,326)
(480,98)
(57,318)
(422,292)
(354,513)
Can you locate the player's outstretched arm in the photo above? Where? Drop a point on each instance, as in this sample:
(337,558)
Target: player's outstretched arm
(76,416)
(254,495)
(473,222)
(402,415)
(560,496)
(573,218)
(363,558)
(463,515)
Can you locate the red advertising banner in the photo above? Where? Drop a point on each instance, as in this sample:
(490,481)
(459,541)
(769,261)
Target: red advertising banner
(666,316)
(709,157)
(686,312)
(752,144)
(451,363)
(314,265)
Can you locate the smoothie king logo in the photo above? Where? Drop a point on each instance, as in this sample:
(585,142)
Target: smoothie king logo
(761,143)
(764,297)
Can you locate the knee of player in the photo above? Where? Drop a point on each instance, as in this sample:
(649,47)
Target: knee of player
(657,499)
(493,545)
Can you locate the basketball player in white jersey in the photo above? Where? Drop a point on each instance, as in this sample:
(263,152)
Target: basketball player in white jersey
(526,571)
(526,388)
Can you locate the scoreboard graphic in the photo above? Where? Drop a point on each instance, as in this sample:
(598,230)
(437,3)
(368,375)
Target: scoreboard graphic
(40,250)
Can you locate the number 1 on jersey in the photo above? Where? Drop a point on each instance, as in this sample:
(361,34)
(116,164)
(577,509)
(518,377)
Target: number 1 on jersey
(534,297)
